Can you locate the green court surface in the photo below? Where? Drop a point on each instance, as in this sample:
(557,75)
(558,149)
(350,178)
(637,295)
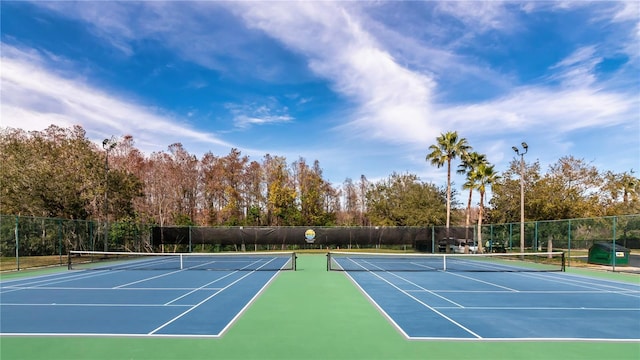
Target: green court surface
(307,314)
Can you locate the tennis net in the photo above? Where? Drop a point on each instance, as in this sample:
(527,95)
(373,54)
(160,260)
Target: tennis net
(509,262)
(236,261)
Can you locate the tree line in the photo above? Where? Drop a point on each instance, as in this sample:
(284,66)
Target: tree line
(60,173)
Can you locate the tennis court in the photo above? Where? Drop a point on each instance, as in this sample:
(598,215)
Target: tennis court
(311,313)
(125,294)
(492,297)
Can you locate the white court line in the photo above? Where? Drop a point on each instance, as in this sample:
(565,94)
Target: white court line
(371,300)
(567,280)
(200,336)
(209,283)
(147,335)
(527,291)
(423,289)
(596,283)
(59,277)
(205,300)
(412,297)
(27,277)
(147,279)
(630,340)
(478,338)
(137,264)
(201,288)
(482,281)
(95,305)
(248,304)
(591,288)
(414,284)
(111,289)
(171,273)
(547,308)
(409,338)
(42,283)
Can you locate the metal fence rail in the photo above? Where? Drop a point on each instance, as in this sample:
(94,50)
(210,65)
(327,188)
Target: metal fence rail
(27,242)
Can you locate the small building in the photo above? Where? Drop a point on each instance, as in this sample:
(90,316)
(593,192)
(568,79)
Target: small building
(603,253)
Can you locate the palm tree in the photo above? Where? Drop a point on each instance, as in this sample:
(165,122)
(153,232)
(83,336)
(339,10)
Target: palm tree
(485,175)
(448,147)
(470,162)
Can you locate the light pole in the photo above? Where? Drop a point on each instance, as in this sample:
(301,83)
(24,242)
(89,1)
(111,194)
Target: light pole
(518,152)
(107,145)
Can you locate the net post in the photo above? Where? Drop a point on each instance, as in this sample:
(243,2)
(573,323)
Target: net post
(181,263)
(563,263)
(293,261)
(328,261)
(444,262)
(69,260)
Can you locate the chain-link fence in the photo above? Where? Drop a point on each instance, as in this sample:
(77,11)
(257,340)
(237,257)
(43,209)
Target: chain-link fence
(31,242)
(252,238)
(574,236)
(27,242)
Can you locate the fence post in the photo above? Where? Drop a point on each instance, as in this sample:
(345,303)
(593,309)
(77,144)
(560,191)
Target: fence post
(569,244)
(491,235)
(17,244)
(433,239)
(91,237)
(475,238)
(60,240)
(615,218)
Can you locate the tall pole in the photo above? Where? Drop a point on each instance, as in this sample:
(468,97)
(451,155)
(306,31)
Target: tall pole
(107,145)
(522,203)
(521,153)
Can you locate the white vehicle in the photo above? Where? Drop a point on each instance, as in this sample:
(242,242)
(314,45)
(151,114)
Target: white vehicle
(457,246)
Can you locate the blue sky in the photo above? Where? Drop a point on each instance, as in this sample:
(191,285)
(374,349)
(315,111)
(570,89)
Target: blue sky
(363,87)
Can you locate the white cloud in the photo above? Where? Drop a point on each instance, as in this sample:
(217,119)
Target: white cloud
(629,10)
(268,111)
(480,16)
(392,102)
(34,97)
(207,26)
(397,104)
(543,111)
(578,57)
(577,69)
(244,121)
(390,76)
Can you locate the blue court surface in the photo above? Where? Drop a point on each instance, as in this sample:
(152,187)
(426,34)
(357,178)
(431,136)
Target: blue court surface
(198,303)
(504,306)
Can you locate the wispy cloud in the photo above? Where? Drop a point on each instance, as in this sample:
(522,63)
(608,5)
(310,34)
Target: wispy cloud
(35,96)
(392,102)
(398,104)
(395,75)
(214,36)
(269,112)
(480,16)
(542,110)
